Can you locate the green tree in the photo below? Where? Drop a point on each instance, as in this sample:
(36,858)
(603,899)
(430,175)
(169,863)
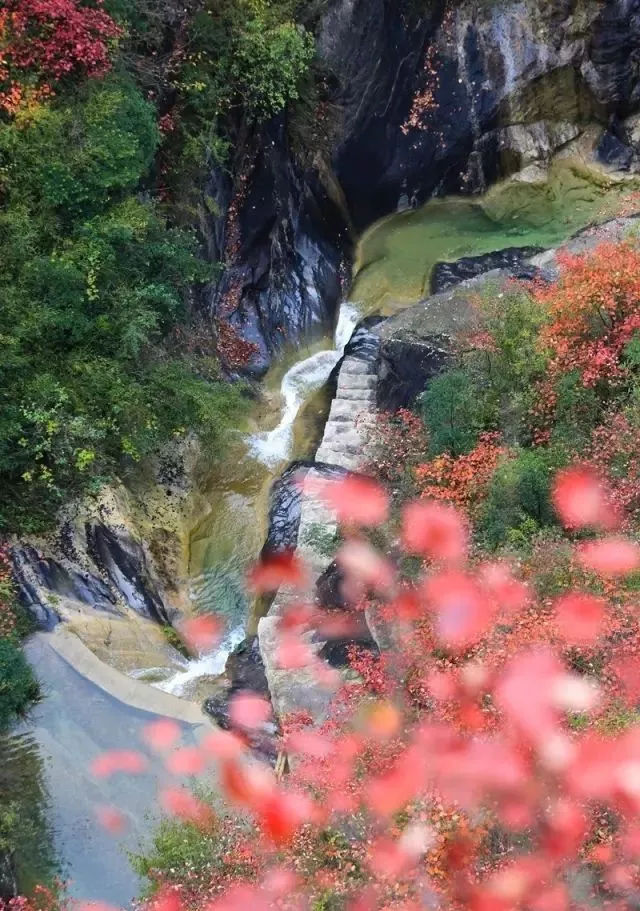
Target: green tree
(18,686)
(518,503)
(454,412)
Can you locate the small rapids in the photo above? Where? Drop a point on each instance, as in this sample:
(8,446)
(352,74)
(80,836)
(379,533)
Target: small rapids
(219,588)
(209,665)
(274,446)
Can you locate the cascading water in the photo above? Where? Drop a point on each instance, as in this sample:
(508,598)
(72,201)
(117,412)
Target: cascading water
(211,665)
(298,383)
(219,588)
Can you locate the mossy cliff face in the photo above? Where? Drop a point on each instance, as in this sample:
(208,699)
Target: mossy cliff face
(422,98)
(115,568)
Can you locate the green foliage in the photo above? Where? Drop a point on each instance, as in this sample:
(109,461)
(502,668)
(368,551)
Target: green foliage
(93,281)
(320,539)
(452,409)
(578,411)
(269,63)
(518,503)
(18,686)
(197,850)
(74,155)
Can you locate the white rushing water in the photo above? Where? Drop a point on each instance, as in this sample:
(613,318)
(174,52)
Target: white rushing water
(271,447)
(211,665)
(298,383)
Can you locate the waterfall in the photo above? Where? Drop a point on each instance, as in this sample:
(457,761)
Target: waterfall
(210,665)
(298,383)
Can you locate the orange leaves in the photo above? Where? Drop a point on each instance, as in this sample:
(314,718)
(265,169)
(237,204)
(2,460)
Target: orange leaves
(248,710)
(186,761)
(610,556)
(201,633)
(525,693)
(128,762)
(593,315)
(462,480)
(462,610)
(161,735)
(355,500)
(276,570)
(185,806)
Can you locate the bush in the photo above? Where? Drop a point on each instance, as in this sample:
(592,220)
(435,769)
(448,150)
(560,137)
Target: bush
(453,410)
(518,502)
(18,686)
(73,155)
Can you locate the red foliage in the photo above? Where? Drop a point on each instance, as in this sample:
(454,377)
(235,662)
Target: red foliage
(450,775)
(594,313)
(398,440)
(462,480)
(614,452)
(43,41)
(234,351)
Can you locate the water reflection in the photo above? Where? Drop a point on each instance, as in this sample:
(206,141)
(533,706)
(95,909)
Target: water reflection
(26,836)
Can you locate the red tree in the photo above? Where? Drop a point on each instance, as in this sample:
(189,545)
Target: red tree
(42,41)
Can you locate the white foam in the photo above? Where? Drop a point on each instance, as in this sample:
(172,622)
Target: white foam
(211,665)
(298,383)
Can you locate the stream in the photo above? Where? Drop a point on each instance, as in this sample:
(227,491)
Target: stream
(75,720)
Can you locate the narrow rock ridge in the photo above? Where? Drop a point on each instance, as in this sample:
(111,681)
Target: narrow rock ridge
(343,446)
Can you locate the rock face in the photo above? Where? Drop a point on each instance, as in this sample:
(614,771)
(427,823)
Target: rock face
(417,344)
(285,505)
(448,275)
(420,342)
(432,98)
(342,448)
(111,570)
(285,252)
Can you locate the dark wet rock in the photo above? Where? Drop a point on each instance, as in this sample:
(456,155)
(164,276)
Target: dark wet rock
(42,580)
(447,275)
(545,76)
(123,560)
(245,668)
(244,672)
(336,651)
(285,280)
(407,363)
(420,342)
(329,588)
(613,152)
(285,504)
(8,876)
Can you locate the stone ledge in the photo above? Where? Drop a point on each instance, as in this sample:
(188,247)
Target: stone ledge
(125,689)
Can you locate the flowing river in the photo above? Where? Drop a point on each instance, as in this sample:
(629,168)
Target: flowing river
(45,760)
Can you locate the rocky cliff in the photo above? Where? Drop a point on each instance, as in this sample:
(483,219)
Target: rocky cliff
(424,97)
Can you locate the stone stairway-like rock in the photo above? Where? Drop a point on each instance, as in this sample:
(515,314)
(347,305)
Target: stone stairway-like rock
(351,414)
(342,447)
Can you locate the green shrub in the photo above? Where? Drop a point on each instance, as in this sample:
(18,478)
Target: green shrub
(198,850)
(519,503)
(18,686)
(453,410)
(75,154)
